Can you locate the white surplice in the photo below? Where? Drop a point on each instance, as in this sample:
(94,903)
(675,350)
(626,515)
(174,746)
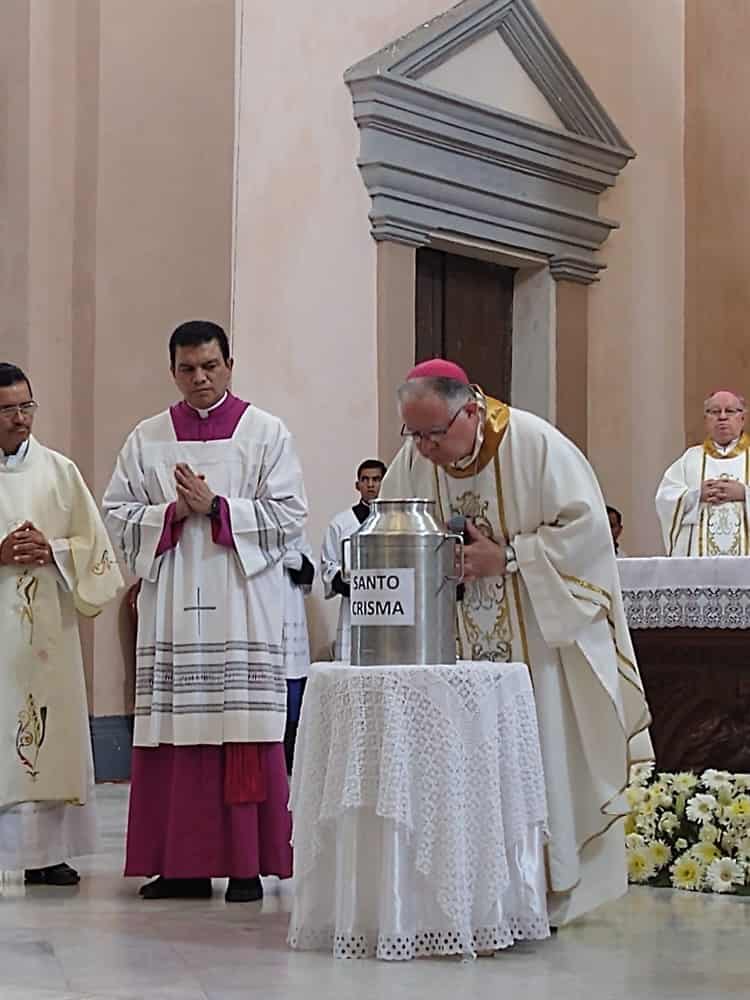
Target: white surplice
(562,615)
(342,526)
(209,664)
(295,636)
(690,527)
(47,812)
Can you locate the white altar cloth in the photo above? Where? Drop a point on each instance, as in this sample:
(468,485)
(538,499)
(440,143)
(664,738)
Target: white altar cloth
(419,811)
(682,592)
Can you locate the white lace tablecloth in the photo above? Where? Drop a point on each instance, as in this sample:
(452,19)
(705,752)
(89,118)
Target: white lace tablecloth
(419,811)
(707,592)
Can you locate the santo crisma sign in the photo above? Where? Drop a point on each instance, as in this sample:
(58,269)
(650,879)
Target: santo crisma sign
(382,597)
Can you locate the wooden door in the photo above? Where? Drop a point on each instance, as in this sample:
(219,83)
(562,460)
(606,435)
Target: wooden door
(464,312)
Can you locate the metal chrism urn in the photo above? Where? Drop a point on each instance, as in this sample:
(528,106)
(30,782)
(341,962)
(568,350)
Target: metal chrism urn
(402,570)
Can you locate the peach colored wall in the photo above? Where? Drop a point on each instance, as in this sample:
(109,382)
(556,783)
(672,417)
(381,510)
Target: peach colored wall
(305,330)
(116,208)
(163,224)
(305,292)
(717,303)
(631,53)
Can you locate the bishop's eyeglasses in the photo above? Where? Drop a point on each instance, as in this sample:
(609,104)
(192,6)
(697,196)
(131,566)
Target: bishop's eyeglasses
(22,409)
(435,435)
(731,411)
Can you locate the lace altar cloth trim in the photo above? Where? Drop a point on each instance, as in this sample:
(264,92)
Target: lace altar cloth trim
(371,944)
(449,753)
(686,592)
(688,607)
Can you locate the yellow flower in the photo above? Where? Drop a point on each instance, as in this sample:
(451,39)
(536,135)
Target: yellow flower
(705,852)
(724,794)
(661,853)
(738,810)
(687,873)
(629,824)
(640,865)
(669,822)
(635,795)
(709,833)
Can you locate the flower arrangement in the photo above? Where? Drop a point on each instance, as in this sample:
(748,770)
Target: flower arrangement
(687,831)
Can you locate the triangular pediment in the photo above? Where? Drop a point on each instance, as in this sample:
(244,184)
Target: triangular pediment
(498,54)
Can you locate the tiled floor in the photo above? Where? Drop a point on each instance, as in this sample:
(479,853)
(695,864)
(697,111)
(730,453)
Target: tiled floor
(102,942)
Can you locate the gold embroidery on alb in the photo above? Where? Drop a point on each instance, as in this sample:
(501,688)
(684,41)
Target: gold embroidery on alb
(26,588)
(104,564)
(32,728)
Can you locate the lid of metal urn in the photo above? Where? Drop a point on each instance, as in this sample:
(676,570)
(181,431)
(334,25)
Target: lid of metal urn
(408,516)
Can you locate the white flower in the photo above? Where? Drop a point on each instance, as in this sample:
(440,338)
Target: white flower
(634,840)
(709,833)
(701,808)
(681,844)
(715,779)
(684,781)
(669,822)
(640,773)
(724,874)
(687,873)
(640,865)
(742,782)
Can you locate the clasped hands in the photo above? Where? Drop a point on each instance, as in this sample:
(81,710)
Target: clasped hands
(718,491)
(193,494)
(25,546)
(482,556)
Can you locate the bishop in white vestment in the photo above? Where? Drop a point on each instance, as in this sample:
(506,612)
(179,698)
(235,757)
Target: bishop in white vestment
(369,478)
(55,561)
(542,588)
(703,500)
(205,503)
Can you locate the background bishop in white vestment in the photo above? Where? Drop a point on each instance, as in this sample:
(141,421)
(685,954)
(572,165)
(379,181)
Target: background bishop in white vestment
(703,500)
(542,588)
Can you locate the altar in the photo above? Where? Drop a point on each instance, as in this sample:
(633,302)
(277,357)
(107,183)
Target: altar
(690,624)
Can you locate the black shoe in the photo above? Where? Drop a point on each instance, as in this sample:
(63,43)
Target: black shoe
(176,888)
(61,874)
(244,890)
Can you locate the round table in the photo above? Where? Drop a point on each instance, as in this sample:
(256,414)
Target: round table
(419,811)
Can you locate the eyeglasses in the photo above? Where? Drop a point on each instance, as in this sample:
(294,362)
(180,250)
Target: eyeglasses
(730,411)
(23,409)
(435,435)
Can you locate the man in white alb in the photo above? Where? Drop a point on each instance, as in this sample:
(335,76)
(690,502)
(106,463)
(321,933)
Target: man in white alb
(55,561)
(703,501)
(369,477)
(206,505)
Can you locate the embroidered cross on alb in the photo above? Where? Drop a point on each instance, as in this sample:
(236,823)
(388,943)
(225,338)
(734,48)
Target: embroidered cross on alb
(198,607)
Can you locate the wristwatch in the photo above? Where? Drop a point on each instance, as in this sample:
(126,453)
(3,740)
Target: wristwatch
(511,561)
(215,508)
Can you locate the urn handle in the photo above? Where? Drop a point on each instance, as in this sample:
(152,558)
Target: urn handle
(346,547)
(458,539)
